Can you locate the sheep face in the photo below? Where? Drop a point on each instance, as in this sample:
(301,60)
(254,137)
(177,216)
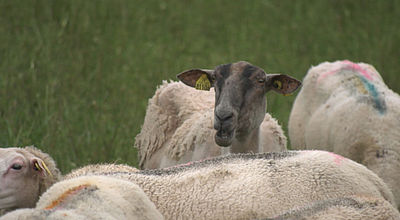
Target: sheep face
(19,178)
(240,90)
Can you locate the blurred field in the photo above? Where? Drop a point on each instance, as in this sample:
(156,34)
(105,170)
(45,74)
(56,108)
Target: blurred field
(75,76)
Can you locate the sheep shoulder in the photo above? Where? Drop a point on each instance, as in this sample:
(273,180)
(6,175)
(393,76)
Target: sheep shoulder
(272,138)
(168,110)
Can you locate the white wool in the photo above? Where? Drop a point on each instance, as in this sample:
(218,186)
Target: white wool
(250,186)
(91,197)
(96,168)
(178,128)
(346,108)
(350,208)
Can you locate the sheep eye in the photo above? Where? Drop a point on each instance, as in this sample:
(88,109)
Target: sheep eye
(261,80)
(16,166)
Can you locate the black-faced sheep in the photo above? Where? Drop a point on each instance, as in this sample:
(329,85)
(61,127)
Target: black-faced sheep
(25,173)
(94,197)
(346,108)
(251,186)
(183,124)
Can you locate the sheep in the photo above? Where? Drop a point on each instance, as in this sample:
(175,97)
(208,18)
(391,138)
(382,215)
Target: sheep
(346,108)
(251,186)
(180,121)
(25,173)
(351,208)
(90,197)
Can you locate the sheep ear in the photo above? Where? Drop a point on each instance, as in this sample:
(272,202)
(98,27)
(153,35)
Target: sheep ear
(198,78)
(282,83)
(40,166)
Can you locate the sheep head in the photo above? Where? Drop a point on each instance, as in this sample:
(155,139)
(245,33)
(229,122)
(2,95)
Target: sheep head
(240,90)
(24,175)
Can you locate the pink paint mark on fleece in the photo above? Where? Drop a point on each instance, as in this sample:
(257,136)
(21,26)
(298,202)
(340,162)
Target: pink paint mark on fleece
(324,75)
(350,66)
(338,159)
(190,163)
(358,68)
(184,164)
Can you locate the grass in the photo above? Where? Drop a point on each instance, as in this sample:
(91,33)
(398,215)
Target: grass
(75,76)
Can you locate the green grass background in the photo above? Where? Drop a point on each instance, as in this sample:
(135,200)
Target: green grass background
(75,75)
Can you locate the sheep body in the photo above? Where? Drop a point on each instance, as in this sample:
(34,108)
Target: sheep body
(346,108)
(178,128)
(94,197)
(350,208)
(21,186)
(249,186)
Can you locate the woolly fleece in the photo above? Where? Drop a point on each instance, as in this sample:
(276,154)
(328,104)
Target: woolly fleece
(346,108)
(86,198)
(251,186)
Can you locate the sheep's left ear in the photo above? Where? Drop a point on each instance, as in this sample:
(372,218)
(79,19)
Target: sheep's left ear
(198,78)
(40,166)
(282,83)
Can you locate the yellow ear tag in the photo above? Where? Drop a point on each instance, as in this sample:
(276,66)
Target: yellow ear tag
(44,166)
(37,166)
(278,84)
(203,83)
(47,169)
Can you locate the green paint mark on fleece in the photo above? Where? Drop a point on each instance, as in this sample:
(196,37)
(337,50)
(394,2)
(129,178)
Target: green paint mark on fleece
(379,103)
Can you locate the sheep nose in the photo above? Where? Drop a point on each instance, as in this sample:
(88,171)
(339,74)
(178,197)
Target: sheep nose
(224,116)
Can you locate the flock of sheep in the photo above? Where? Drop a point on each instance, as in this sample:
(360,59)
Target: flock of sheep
(218,155)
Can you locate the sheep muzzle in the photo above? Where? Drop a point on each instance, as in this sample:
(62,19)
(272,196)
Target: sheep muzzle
(224,138)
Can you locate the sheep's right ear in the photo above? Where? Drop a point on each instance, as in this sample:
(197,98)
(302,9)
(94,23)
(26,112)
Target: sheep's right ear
(198,78)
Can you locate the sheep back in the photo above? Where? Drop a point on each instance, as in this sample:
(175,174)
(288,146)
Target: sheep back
(351,208)
(246,186)
(90,197)
(95,168)
(346,108)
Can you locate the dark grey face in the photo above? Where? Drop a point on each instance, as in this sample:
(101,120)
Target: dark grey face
(240,90)
(239,100)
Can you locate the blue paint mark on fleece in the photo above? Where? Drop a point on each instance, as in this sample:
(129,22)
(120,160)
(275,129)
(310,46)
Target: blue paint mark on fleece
(379,103)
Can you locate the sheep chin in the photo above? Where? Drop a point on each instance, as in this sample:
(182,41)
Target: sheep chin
(224,139)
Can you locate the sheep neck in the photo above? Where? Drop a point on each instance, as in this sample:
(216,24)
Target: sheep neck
(246,143)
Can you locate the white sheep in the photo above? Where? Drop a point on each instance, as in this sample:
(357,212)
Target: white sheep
(350,208)
(25,173)
(90,197)
(246,186)
(346,108)
(181,123)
